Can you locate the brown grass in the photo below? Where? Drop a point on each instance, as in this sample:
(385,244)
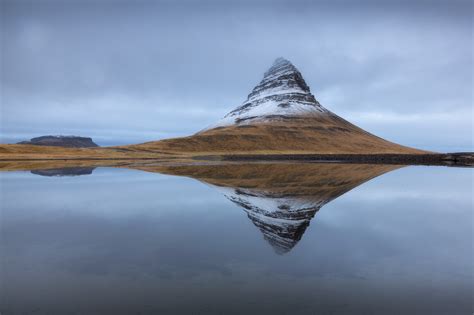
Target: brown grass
(36,152)
(314,134)
(319,134)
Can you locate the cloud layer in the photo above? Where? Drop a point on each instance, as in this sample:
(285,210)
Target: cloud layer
(125,73)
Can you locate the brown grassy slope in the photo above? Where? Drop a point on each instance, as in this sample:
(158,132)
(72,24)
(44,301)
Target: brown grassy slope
(318,134)
(29,152)
(323,134)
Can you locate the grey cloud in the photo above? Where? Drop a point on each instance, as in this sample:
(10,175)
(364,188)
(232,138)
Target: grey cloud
(155,70)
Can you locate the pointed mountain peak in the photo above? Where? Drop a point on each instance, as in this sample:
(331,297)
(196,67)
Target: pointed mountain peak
(281,60)
(280,64)
(281,94)
(282,76)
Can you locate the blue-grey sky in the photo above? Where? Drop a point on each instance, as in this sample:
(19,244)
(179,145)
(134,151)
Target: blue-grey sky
(129,72)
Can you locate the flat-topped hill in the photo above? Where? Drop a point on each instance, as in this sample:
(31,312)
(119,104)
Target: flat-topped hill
(62,141)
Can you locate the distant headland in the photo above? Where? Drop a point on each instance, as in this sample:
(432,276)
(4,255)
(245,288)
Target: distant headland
(62,141)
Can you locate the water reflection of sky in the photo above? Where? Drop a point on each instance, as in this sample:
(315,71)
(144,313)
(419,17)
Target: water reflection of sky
(123,240)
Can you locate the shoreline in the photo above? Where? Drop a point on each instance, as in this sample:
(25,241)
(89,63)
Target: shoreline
(457,159)
(437,159)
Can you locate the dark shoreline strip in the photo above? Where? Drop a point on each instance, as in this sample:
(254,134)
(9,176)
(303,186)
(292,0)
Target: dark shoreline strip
(458,159)
(448,159)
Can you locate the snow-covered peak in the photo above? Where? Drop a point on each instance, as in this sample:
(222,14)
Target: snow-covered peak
(282,93)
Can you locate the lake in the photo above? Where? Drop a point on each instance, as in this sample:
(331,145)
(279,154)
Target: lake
(237,239)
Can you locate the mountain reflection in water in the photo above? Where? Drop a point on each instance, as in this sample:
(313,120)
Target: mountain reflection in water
(280,199)
(148,237)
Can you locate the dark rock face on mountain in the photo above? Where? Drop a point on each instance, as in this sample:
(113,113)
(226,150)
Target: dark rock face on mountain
(68,171)
(62,141)
(281,76)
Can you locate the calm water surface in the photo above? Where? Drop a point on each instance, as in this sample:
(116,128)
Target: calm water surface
(322,241)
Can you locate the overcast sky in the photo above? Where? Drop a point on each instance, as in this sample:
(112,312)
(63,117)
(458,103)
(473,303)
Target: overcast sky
(128,72)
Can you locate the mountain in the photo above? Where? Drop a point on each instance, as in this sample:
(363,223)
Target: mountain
(280,115)
(62,141)
(280,199)
(282,94)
